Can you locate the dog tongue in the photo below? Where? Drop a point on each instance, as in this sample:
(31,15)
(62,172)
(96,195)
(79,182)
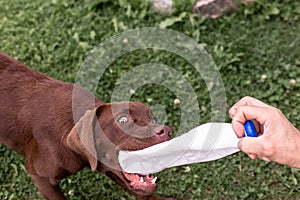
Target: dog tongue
(132,177)
(141,182)
(207,142)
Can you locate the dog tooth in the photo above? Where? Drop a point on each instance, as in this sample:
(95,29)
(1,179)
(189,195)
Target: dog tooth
(142,180)
(154,180)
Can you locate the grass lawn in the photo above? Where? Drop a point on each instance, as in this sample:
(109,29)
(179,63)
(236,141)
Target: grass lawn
(257,52)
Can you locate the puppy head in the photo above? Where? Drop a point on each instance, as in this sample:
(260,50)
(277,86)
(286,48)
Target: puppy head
(101,133)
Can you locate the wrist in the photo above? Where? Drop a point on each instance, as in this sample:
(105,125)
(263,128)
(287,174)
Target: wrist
(295,154)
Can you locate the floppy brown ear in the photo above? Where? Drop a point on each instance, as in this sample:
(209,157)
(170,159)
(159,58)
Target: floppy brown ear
(81,138)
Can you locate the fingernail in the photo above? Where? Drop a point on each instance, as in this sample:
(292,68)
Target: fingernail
(266,159)
(232,112)
(252,156)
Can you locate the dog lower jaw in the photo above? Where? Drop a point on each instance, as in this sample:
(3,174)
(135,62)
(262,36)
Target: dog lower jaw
(142,183)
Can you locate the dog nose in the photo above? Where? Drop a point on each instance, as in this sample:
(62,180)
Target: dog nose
(163,131)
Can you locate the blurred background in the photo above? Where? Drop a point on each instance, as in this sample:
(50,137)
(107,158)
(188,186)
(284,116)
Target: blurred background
(255,45)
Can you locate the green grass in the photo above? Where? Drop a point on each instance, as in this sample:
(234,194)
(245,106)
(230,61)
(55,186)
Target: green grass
(55,36)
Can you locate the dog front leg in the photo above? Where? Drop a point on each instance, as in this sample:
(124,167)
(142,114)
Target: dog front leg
(50,191)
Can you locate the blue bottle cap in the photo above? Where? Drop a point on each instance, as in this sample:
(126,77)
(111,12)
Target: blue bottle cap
(250,130)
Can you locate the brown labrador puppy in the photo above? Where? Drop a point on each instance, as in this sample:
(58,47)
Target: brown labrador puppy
(37,121)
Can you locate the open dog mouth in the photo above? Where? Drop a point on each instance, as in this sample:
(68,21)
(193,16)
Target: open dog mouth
(145,183)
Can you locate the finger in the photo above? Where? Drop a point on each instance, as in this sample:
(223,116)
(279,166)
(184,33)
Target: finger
(238,128)
(265,159)
(232,111)
(251,146)
(251,102)
(258,127)
(244,113)
(246,101)
(252,156)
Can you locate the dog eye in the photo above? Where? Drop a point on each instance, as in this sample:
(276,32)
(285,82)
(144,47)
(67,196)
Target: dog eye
(122,120)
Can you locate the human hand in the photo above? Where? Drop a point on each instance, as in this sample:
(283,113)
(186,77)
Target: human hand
(279,140)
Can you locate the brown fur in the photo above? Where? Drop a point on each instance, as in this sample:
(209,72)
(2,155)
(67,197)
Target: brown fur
(37,121)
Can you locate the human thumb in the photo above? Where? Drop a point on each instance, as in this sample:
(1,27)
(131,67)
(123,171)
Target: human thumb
(251,145)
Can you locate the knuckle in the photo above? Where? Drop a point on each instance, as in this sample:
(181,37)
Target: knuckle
(278,112)
(247,98)
(275,111)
